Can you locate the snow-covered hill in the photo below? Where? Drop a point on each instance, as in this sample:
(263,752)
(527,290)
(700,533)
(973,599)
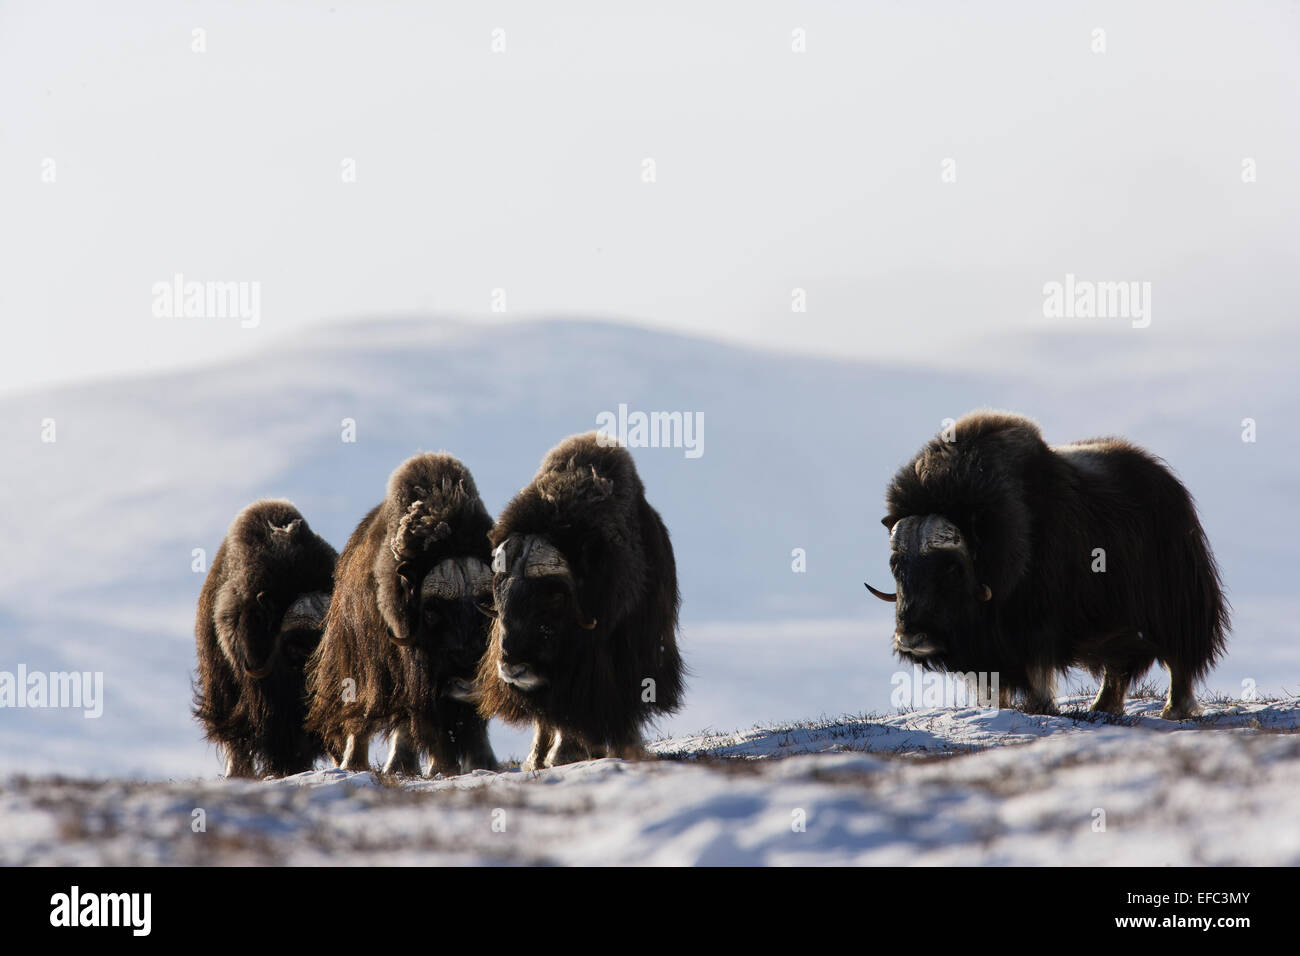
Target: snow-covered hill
(101,524)
(927,787)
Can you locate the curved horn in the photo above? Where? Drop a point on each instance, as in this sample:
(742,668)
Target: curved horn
(891,598)
(445,581)
(986,593)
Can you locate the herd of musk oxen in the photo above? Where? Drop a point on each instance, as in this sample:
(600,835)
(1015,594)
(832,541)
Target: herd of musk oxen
(1010,557)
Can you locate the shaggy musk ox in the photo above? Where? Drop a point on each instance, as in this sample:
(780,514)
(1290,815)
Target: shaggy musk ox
(585,586)
(260,616)
(405,629)
(993,542)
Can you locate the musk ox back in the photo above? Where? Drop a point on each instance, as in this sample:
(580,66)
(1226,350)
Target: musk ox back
(1020,559)
(405,631)
(585,589)
(260,616)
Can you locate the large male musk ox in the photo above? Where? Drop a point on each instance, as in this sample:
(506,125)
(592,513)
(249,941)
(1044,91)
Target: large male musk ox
(405,629)
(260,616)
(1022,559)
(585,586)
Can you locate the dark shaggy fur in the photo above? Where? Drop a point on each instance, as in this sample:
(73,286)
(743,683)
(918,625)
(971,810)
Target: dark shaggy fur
(269,559)
(1030,517)
(587,502)
(389,660)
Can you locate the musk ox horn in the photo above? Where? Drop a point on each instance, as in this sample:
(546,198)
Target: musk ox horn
(541,559)
(478,575)
(922,534)
(891,598)
(986,593)
(446,581)
(306,612)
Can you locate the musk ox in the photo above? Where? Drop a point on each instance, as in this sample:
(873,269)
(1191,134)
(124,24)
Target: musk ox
(585,589)
(260,616)
(405,629)
(1022,559)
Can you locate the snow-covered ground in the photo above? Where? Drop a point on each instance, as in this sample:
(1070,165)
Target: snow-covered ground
(926,787)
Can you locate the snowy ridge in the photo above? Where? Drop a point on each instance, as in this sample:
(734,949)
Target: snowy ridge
(1133,790)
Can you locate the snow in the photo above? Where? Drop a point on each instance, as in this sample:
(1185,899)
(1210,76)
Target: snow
(930,787)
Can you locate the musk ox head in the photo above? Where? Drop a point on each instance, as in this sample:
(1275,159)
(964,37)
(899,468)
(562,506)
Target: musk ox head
(434,585)
(455,604)
(939,599)
(538,604)
(278,567)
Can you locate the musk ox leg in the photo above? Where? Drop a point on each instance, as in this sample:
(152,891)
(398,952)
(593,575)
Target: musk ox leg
(1005,697)
(1114,689)
(477,750)
(1042,691)
(239,764)
(630,750)
(402,756)
(542,738)
(356,755)
(1181,704)
(567,748)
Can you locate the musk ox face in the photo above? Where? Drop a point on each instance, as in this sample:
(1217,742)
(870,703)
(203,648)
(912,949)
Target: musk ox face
(539,610)
(454,608)
(939,599)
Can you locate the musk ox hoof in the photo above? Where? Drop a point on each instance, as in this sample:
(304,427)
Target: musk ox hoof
(1184,710)
(1043,706)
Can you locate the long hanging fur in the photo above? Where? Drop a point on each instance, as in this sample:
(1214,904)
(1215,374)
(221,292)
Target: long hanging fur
(602,684)
(1032,517)
(269,559)
(379,668)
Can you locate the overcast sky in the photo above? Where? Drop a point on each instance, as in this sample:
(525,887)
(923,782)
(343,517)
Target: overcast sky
(127,157)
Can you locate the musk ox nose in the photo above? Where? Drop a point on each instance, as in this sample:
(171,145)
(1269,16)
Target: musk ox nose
(513,671)
(909,641)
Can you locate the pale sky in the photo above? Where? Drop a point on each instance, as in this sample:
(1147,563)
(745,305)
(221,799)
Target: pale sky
(523,170)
